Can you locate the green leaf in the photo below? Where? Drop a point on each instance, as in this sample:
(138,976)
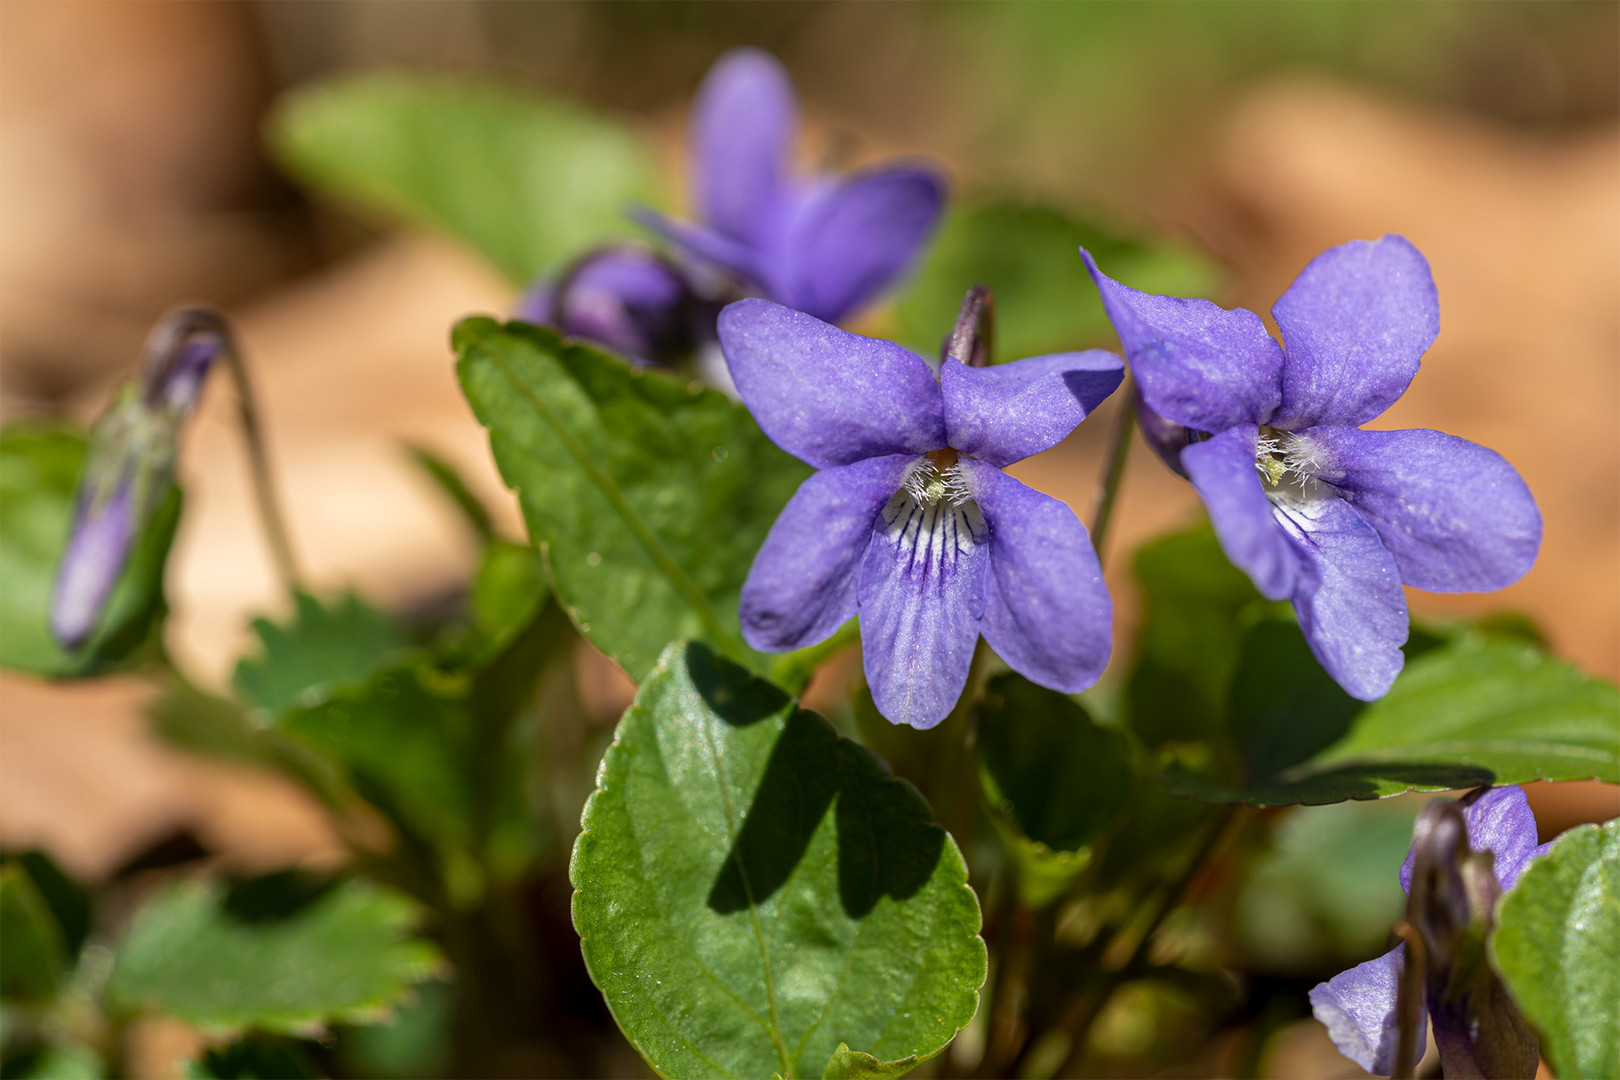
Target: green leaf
(39,472)
(1326,894)
(1027,254)
(1282,706)
(1186,647)
(648,494)
(58,1062)
(33,956)
(1474,711)
(323,648)
(346,956)
(66,899)
(454,487)
(847,1064)
(508,589)
(753,890)
(1554,945)
(1053,776)
(528,181)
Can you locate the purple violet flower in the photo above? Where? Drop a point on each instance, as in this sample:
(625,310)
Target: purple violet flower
(130,466)
(1358,1006)
(627,298)
(1314,509)
(824,245)
(911,523)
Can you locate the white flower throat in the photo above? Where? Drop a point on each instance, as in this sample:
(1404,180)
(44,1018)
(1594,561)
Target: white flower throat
(1288,467)
(933,520)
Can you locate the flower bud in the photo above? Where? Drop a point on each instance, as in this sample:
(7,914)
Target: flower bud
(627,298)
(130,466)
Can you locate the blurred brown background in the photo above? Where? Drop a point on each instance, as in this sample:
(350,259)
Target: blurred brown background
(132,177)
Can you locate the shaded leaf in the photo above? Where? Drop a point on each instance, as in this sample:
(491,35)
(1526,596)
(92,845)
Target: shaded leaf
(648,494)
(1054,778)
(347,956)
(55,1062)
(1471,712)
(67,900)
(323,648)
(1028,255)
(526,180)
(32,958)
(753,890)
(39,473)
(255,1056)
(1186,645)
(1556,947)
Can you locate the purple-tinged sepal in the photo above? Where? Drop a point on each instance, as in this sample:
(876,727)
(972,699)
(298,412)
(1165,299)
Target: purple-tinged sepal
(129,468)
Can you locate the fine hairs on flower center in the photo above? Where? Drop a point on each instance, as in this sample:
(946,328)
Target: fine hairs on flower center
(933,519)
(1287,464)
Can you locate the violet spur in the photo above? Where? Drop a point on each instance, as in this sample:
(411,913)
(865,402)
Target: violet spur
(910,522)
(1313,509)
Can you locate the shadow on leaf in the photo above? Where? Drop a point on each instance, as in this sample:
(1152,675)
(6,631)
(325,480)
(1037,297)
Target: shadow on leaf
(887,842)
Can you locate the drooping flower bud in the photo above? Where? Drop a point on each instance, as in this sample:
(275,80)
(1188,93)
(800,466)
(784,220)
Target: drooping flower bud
(627,298)
(1478,1029)
(130,466)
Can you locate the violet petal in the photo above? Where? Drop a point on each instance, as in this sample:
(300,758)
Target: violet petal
(97,548)
(1197,363)
(1222,469)
(1457,516)
(1349,599)
(743,125)
(1047,612)
(1358,1009)
(921,595)
(1005,413)
(825,395)
(802,585)
(1355,324)
(1499,820)
(851,239)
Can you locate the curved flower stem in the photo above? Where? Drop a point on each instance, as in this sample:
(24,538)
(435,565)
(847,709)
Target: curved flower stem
(1119,449)
(264,488)
(1409,1002)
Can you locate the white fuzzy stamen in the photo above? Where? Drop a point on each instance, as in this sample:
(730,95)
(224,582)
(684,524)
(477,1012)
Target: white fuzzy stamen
(933,519)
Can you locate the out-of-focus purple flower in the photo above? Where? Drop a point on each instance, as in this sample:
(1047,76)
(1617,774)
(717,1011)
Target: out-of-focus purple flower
(1476,1027)
(824,245)
(130,466)
(1315,510)
(911,523)
(627,298)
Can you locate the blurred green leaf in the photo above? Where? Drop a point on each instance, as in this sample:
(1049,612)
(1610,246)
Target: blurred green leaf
(323,648)
(39,473)
(255,1056)
(454,487)
(347,956)
(1187,647)
(528,181)
(55,1062)
(1327,892)
(67,900)
(647,493)
(1053,775)
(753,890)
(1028,255)
(1554,944)
(414,1042)
(1282,706)
(33,956)
(508,589)
(1472,712)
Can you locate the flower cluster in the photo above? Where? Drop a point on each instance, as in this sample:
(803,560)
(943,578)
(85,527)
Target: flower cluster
(912,525)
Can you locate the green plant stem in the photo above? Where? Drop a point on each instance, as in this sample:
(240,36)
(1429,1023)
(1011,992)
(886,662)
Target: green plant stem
(1119,449)
(264,488)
